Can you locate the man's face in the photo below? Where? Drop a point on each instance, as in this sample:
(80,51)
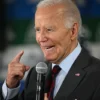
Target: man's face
(52,35)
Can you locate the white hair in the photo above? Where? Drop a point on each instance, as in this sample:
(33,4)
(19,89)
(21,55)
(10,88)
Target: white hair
(71,12)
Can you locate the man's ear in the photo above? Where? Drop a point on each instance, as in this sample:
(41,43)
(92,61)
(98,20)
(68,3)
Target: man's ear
(74,31)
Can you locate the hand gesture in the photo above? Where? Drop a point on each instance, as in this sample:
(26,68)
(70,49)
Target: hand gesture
(16,71)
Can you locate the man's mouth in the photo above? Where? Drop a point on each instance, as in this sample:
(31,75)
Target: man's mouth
(50,47)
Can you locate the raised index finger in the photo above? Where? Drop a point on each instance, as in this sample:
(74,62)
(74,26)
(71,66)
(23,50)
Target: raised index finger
(18,57)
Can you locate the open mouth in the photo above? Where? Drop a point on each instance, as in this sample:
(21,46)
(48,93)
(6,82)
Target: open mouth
(50,47)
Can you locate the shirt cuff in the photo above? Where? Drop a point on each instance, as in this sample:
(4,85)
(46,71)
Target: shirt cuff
(9,93)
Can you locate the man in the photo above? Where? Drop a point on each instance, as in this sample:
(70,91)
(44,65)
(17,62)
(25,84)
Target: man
(57,24)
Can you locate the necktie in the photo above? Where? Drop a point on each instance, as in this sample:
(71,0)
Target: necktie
(55,71)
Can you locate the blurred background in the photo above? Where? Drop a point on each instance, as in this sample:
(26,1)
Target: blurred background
(17,31)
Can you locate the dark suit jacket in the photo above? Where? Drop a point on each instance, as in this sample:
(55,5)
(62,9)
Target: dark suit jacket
(81,83)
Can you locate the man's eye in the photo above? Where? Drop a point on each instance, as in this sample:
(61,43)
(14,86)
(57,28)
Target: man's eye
(49,30)
(37,29)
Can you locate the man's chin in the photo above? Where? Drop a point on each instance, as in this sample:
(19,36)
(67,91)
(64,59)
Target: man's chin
(51,60)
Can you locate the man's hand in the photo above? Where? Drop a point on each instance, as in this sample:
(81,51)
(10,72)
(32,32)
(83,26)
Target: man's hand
(16,71)
(45,96)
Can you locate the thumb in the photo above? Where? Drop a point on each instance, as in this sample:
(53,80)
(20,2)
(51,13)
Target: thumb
(27,68)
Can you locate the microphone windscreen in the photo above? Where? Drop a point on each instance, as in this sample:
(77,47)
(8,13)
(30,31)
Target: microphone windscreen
(41,68)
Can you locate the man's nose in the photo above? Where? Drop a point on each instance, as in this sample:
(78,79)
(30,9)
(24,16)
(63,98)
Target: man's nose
(43,37)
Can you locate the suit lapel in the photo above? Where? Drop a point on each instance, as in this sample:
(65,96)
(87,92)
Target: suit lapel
(74,77)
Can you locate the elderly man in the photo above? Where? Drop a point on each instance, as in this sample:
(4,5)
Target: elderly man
(57,25)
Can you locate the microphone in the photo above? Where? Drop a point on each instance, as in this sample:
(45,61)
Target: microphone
(41,69)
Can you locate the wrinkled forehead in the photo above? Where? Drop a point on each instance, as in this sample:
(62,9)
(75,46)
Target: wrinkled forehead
(49,10)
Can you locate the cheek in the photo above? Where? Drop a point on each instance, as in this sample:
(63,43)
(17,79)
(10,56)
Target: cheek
(65,43)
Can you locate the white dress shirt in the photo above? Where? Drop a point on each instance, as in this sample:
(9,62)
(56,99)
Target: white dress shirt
(65,66)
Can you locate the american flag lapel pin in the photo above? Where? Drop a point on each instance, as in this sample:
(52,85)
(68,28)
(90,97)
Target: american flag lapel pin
(77,74)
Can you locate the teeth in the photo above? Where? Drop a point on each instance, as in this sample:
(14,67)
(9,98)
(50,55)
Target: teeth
(48,47)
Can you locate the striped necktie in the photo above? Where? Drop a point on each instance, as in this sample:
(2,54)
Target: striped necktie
(55,71)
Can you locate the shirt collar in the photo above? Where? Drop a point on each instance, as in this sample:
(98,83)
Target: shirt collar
(66,64)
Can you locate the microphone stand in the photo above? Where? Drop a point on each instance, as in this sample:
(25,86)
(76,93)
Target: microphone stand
(40,86)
